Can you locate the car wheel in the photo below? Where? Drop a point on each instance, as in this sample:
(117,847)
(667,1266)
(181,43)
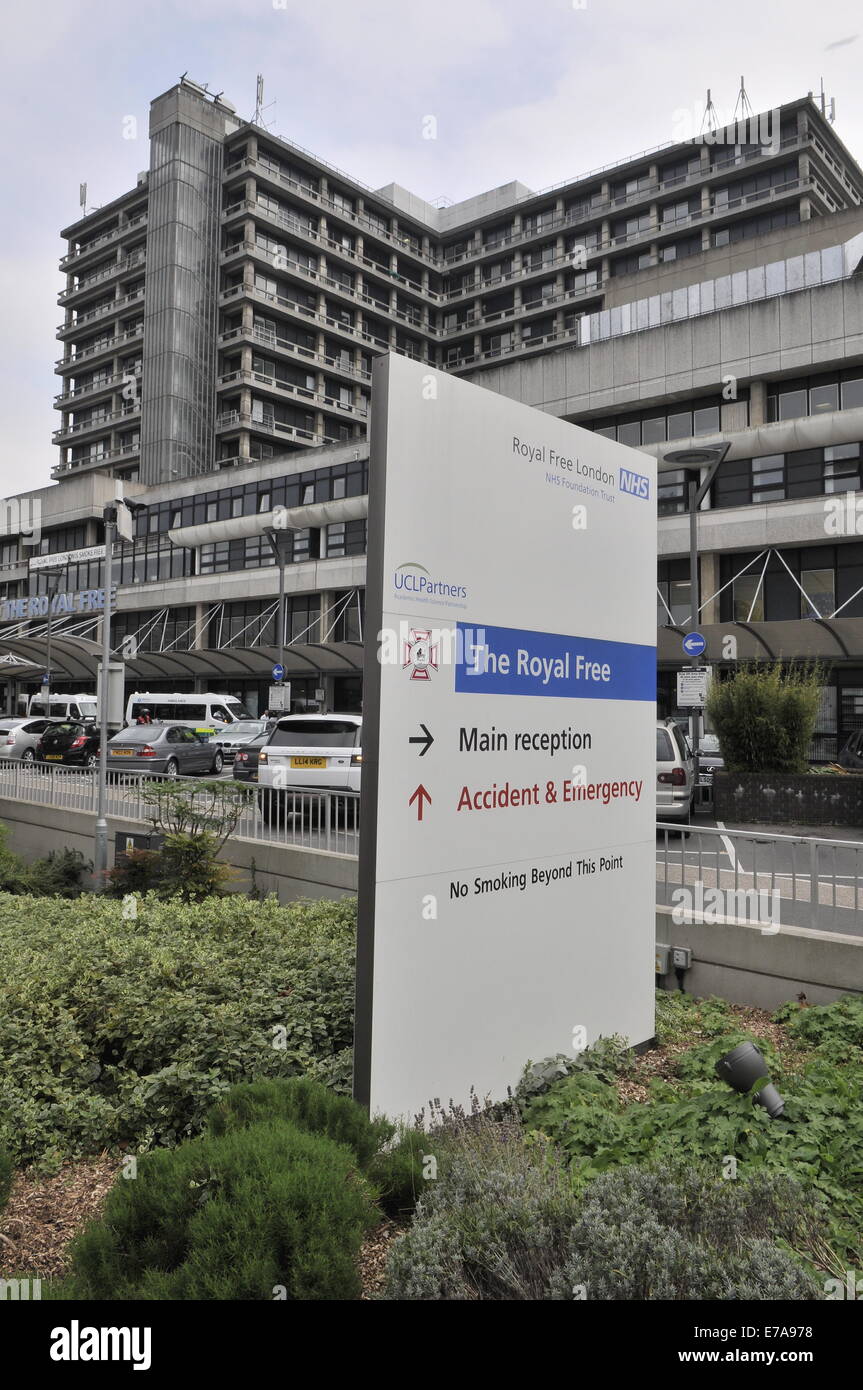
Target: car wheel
(218,764)
(28,756)
(90,762)
(172,768)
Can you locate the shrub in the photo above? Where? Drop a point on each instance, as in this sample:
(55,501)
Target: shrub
(6,1171)
(306,1104)
(765,716)
(127,1029)
(398,1172)
(263,1212)
(517,1230)
(679,1233)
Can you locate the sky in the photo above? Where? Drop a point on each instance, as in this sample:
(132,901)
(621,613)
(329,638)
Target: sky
(541,92)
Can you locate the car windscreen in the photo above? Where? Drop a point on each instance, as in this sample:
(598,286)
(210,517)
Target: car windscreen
(237,710)
(244,727)
(315,733)
(664,752)
(64,728)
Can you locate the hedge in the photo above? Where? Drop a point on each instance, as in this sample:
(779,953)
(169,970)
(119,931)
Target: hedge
(123,1030)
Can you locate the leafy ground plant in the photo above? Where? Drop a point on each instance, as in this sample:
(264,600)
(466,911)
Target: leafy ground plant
(122,1027)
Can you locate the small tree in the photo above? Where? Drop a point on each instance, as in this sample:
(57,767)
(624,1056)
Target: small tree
(195,820)
(764,716)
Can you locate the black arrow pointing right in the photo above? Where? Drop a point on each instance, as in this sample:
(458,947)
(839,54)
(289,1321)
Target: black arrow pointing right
(427,741)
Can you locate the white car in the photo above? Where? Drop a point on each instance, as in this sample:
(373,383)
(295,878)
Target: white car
(310,753)
(18,737)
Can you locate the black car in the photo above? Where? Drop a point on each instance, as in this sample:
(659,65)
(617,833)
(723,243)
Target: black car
(246,759)
(851,757)
(71,743)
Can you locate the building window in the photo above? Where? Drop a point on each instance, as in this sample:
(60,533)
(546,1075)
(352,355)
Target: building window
(748,599)
(819,590)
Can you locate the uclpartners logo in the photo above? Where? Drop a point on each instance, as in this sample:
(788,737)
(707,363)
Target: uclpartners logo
(415,579)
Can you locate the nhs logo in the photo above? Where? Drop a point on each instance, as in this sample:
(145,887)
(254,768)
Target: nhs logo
(635,483)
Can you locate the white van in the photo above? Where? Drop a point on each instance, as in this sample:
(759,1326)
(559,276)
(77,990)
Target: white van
(81,706)
(206,713)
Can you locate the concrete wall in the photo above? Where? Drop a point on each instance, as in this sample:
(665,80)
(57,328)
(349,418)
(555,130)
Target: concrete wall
(34,830)
(738,962)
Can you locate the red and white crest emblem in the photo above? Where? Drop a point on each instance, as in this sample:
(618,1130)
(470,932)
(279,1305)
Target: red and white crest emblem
(420,655)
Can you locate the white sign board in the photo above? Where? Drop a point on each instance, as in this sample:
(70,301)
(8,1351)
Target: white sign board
(693,684)
(507,855)
(61,558)
(279,697)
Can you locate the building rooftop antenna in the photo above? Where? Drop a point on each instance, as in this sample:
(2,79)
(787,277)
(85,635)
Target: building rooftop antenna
(710,117)
(260,108)
(743,104)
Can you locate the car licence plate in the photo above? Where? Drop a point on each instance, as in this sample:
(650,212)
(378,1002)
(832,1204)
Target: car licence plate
(122,753)
(54,757)
(308,762)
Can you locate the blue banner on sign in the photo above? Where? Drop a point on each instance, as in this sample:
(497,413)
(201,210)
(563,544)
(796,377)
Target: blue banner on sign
(513,661)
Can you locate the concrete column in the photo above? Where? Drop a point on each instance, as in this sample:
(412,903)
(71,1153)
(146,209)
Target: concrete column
(757,403)
(709,568)
(199,637)
(252,146)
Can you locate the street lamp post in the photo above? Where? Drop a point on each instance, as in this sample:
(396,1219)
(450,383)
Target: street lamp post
(118,521)
(100,858)
(51,590)
(709,457)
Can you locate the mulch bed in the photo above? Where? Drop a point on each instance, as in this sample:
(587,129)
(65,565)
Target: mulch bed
(43,1214)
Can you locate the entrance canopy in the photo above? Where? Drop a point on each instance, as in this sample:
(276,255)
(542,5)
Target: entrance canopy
(815,639)
(76,659)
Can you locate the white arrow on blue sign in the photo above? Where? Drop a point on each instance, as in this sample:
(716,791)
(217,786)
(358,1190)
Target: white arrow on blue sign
(694,643)
(278,672)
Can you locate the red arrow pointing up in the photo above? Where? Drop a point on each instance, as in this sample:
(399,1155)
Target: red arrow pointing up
(419,795)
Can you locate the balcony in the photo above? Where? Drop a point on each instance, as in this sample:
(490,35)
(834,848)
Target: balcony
(291,391)
(106,345)
(96,388)
(267,171)
(120,454)
(115,306)
(102,422)
(308,315)
(295,350)
(124,267)
(73,258)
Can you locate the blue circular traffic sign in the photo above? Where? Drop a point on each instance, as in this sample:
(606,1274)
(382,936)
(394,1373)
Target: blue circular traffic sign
(694,644)
(278,672)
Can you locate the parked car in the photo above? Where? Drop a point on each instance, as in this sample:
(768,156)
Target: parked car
(19,737)
(172,749)
(675,773)
(309,752)
(851,753)
(71,742)
(246,760)
(710,758)
(238,736)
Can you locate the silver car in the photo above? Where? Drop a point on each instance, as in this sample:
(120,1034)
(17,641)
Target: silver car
(675,773)
(238,735)
(18,737)
(172,749)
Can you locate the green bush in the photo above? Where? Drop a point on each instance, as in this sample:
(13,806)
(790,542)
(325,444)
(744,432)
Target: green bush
(516,1229)
(818,1141)
(259,1213)
(306,1104)
(6,1173)
(398,1172)
(117,1028)
(764,716)
(60,873)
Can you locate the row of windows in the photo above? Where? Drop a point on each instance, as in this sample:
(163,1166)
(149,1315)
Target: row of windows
(313,485)
(658,426)
(780,477)
(810,582)
(789,400)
